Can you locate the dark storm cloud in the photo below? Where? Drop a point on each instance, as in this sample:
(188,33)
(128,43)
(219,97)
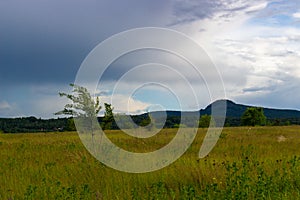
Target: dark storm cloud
(46,41)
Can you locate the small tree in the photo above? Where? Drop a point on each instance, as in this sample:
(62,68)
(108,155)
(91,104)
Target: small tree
(205,121)
(83,106)
(70,125)
(253,116)
(149,122)
(108,117)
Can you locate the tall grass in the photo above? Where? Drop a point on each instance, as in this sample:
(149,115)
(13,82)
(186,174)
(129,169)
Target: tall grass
(247,163)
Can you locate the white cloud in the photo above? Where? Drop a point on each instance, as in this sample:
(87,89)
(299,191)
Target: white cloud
(257,7)
(9,109)
(46,105)
(125,104)
(4,105)
(296,15)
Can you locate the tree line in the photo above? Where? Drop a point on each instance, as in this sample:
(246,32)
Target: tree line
(33,124)
(85,106)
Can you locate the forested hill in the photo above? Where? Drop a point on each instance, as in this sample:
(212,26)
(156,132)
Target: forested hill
(233,118)
(236,110)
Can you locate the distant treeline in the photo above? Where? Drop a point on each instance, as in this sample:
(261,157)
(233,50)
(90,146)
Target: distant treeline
(235,121)
(33,124)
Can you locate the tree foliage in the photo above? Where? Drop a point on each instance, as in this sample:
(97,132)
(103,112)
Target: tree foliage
(108,118)
(205,121)
(83,107)
(31,124)
(253,116)
(83,104)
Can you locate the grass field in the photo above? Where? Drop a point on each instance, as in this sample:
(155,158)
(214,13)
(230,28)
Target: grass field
(246,163)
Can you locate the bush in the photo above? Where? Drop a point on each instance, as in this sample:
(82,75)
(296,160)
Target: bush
(253,116)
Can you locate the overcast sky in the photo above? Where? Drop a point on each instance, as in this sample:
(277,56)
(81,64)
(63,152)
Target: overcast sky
(254,44)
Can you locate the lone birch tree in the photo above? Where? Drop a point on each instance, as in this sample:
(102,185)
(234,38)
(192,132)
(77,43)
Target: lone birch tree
(83,106)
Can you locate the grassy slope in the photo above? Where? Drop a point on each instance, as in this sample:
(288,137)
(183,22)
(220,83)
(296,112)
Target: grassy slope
(246,163)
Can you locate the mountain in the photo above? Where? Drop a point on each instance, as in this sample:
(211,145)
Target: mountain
(236,110)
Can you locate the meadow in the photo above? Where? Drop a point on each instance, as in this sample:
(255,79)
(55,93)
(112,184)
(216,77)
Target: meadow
(246,163)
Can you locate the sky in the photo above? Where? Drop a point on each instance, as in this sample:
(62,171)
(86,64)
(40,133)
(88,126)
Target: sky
(253,44)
